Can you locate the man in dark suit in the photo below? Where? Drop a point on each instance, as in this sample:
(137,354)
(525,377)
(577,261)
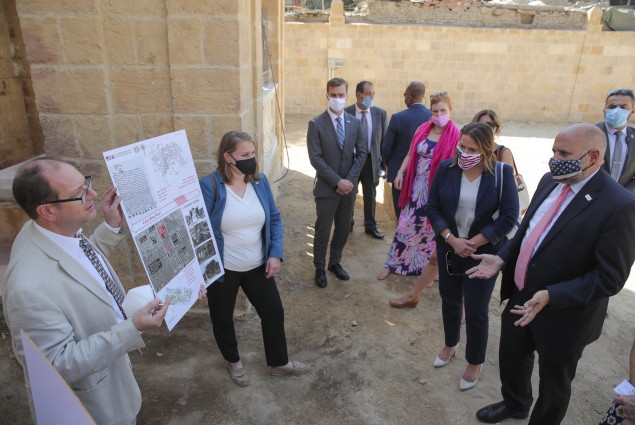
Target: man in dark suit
(373,121)
(619,160)
(337,149)
(573,250)
(401,128)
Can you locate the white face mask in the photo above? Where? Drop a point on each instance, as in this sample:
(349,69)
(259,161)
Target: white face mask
(337,104)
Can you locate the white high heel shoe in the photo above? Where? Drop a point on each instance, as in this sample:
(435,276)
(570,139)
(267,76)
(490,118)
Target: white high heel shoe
(466,385)
(439,362)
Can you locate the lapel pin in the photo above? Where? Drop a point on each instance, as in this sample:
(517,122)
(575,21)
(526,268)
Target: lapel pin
(587,197)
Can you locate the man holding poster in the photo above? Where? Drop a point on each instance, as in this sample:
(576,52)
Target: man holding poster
(61,290)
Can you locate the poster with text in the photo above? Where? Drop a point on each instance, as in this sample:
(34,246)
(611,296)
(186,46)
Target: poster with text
(163,205)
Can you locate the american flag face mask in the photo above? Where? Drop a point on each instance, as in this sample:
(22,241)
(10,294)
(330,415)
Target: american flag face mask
(565,168)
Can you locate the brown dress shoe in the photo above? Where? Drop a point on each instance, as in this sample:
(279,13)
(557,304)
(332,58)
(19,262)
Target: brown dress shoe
(403,304)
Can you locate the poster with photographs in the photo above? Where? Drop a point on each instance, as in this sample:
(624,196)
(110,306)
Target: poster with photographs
(163,205)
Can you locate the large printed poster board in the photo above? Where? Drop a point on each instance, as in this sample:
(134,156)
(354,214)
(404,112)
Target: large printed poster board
(163,205)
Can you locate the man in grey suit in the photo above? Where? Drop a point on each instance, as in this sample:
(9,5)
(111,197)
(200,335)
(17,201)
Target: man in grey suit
(401,129)
(57,292)
(619,159)
(373,120)
(337,149)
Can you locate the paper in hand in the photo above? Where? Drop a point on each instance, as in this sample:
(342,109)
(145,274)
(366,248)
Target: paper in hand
(624,388)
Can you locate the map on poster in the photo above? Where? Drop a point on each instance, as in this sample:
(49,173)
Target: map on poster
(163,205)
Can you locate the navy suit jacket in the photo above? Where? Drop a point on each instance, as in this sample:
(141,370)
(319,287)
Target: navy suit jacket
(585,258)
(444,198)
(627,178)
(401,128)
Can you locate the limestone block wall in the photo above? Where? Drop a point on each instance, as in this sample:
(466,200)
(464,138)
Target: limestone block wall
(107,73)
(526,75)
(20,136)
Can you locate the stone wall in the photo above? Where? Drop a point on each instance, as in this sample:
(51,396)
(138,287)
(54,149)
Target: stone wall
(107,73)
(472,13)
(459,13)
(20,135)
(525,75)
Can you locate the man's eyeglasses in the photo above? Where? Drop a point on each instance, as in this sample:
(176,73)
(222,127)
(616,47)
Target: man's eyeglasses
(622,92)
(88,183)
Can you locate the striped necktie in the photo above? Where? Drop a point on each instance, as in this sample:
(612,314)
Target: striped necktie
(340,133)
(114,289)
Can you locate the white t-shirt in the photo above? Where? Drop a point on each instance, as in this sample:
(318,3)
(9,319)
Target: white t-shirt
(241,226)
(466,208)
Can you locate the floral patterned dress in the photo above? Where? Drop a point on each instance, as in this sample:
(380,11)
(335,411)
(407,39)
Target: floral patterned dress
(414,243)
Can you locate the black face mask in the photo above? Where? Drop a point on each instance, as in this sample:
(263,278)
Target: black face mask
(246,166)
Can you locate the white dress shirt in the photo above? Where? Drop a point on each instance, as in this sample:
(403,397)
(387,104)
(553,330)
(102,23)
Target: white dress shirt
(72,248)
(369,122)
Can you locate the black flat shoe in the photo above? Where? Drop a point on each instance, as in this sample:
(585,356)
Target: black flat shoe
(497,412)
(374,233)
(320,278)
(339,272)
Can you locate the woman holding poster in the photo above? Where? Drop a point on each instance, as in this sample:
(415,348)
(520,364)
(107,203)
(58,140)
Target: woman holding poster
(248,231)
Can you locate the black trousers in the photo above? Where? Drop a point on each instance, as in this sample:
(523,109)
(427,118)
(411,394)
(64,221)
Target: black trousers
(557,366)
(369,192)
(332,210)
(263,295)
(477,294)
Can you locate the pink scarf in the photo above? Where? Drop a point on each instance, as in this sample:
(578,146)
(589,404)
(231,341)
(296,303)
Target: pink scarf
(444,149)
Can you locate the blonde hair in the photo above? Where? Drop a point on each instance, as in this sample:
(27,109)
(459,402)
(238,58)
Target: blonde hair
(483,136)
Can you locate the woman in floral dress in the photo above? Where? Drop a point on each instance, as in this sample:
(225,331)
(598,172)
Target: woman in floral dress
(413,247)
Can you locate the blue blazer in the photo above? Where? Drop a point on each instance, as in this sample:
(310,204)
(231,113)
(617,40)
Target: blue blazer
(401,128)
(444,198)
(215,204)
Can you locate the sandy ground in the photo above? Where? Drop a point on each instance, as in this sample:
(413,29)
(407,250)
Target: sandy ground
(372,364)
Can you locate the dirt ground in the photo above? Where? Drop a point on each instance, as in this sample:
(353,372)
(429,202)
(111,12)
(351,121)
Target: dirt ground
(372,364)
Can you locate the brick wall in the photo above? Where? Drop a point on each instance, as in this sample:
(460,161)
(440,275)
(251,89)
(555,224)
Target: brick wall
(525,75)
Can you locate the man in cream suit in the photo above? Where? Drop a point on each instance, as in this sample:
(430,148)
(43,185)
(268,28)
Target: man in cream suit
(53,291)
(337,149)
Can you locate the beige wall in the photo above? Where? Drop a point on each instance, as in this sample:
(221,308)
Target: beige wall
(525,75)
(107,73)
(20,135)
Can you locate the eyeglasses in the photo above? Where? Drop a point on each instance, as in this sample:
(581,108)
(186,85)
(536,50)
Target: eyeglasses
(440,94)
(622,92)
(88,183)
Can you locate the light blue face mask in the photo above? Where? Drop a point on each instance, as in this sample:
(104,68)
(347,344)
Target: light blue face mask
(616,117)
(367,102)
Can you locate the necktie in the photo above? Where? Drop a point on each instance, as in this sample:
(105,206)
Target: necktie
(617,156)
(340,133)
(111,285)
(526,251)
(363,127)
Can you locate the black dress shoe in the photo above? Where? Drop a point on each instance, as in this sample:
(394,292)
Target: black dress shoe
(374,233)
(320,278)
(339,272)
(496,412)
